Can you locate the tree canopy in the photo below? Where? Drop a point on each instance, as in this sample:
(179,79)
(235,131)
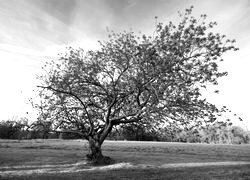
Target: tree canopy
(135,79)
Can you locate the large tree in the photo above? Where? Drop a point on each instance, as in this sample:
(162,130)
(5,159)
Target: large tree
(135,79)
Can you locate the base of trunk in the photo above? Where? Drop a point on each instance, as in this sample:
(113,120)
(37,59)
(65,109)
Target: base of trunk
(99,160)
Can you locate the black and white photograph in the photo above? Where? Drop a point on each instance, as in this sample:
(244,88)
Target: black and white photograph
(124,89)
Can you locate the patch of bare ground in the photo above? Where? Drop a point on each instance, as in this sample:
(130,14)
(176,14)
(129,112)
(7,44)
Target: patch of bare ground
(8,171)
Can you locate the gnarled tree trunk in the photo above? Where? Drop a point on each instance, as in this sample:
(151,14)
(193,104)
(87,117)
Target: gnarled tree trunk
(95,156)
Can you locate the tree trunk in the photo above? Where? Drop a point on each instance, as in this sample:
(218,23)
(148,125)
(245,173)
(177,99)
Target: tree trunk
(95,156)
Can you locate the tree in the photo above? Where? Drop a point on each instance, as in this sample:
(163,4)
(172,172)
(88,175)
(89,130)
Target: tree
(14,129)
(41,129)
(239,135)
(135,79)
(134,132)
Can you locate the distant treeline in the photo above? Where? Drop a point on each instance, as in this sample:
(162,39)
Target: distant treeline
(214,133)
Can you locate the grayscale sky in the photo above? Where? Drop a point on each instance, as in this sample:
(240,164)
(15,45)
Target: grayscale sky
(35,31)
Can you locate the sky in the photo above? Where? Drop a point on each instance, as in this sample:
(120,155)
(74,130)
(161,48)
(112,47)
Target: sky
(35,31)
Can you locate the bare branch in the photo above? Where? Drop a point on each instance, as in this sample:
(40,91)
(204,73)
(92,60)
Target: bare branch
(109,110)
(76,97)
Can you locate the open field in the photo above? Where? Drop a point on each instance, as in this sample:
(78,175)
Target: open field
(65,159)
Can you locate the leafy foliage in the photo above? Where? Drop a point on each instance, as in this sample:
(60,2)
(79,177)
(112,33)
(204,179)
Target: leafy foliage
(136,79)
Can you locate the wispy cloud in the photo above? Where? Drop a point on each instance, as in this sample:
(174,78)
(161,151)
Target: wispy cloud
(27,25)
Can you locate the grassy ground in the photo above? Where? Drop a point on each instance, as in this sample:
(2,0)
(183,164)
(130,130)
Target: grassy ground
(53,152)
(201,173)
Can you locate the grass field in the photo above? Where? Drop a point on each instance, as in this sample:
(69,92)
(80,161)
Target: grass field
(65,159)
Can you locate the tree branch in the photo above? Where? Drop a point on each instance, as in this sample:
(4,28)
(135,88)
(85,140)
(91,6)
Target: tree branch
(76,97)
(109,110)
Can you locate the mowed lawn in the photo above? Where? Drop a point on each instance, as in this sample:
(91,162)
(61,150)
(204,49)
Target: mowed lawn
(145,160)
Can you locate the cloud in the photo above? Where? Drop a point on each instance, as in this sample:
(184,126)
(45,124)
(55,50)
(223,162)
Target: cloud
(34,29)
(24,24)
(62,10)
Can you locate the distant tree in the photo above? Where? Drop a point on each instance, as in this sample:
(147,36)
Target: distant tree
(4,130)
(215,133)
(239,135)
(134,132)
(42,128)
(134,79)
(14,129)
